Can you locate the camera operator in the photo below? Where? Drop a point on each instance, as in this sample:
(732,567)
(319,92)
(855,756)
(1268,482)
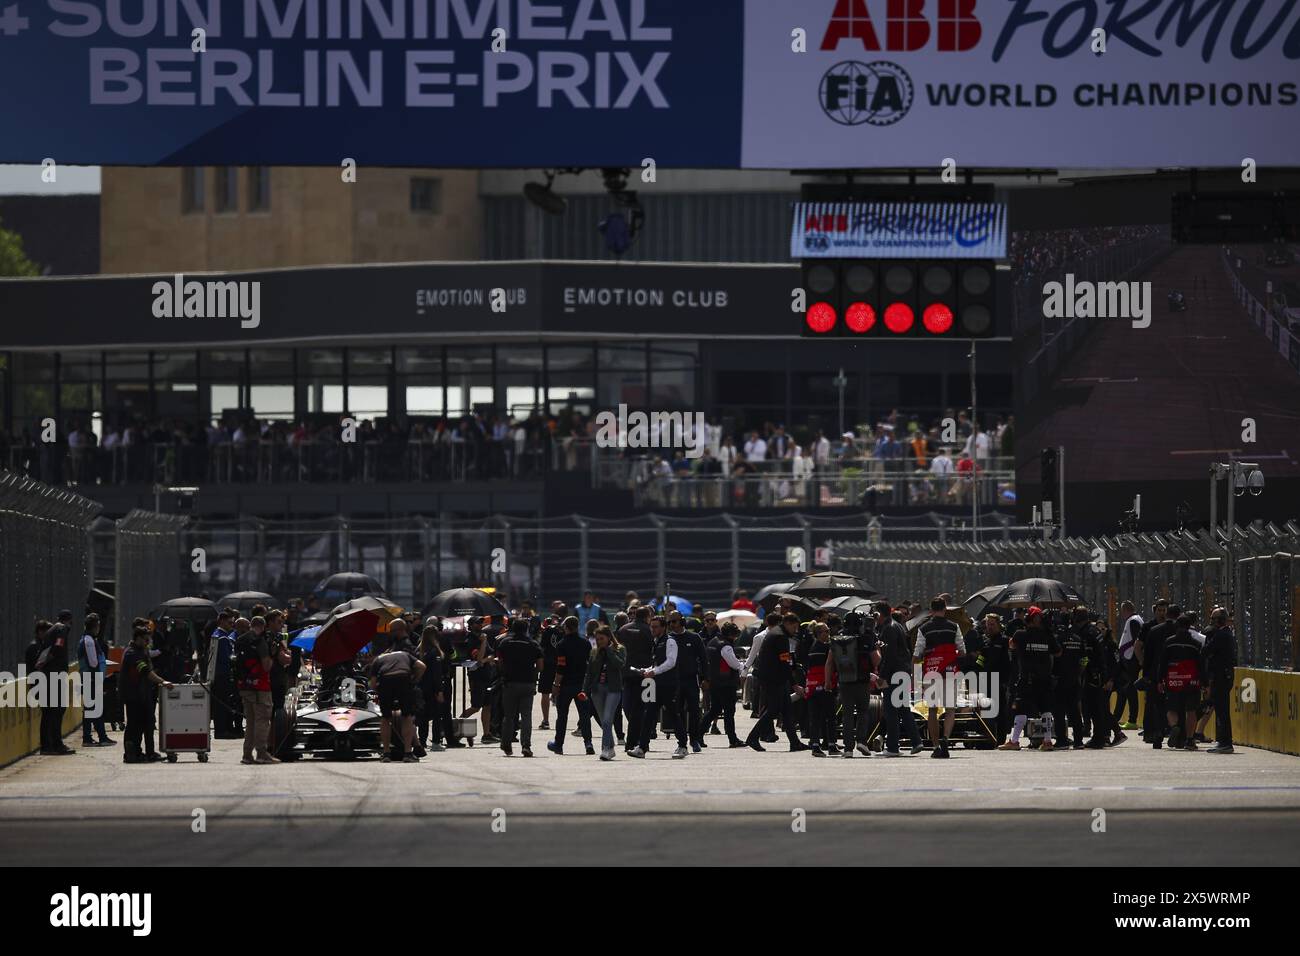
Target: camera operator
(850,661)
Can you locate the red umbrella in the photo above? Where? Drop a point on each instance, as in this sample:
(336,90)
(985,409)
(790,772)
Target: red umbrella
(350,627)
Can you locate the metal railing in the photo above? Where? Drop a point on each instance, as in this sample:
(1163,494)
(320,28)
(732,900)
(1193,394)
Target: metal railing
(262,462)
(45,558)
(1194,570)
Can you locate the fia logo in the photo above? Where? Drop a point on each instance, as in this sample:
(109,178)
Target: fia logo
(854,93)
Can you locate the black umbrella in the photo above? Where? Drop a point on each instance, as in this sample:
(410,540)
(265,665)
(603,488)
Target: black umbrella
(976,604)
(827,585)
(459,602)
(243,601)
(1043,592)
(848,603)
(347,584)
(196,610)
(765,593)
(803,607)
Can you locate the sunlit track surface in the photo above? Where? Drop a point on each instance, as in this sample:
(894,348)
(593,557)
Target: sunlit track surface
(1022,807)
(1175,393)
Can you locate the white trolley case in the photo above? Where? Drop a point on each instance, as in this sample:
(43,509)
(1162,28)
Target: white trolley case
(184,719)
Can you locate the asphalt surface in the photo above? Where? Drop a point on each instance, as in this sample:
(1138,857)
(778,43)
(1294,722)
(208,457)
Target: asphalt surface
(1177,391)
(721,806)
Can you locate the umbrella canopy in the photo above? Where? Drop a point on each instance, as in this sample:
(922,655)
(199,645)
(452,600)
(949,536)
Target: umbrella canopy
(350,627)
(306,638)
(1043,592)
(825,585)
(742,619)
(977,602)
(460,602)
(195,610)
(764,593)
(803,607)
(848,603)
(243,601)
(347,584)
(314,620)
(681,603)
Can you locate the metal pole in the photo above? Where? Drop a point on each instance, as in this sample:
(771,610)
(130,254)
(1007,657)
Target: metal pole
(1214,501)
(584,554)
(735,551)
(1060,494)
(1232,537)
(975,469)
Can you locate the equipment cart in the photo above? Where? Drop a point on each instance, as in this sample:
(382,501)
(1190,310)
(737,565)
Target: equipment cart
(184,720)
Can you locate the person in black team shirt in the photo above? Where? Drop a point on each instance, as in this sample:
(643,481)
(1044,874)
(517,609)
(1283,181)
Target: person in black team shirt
(1034,648)
(570,672)
(774,670)
(819,684)
(724,680)
(1179,670)
(663,687)
(1074,638)
(637,637)
(395,674)
(1220,662)
(939,645)
(1149,647)
(708,633)
(692,668)
(995,660)
(521,660)
(137,681)
(895,680)
(431,687)
(1103,672)
(550,636)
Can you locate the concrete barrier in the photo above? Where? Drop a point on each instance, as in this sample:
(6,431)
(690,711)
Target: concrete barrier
(20,725)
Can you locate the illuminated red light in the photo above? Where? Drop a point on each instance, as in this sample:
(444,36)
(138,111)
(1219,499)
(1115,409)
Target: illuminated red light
(937,319)
(899,318)
(821,318)
(860,317)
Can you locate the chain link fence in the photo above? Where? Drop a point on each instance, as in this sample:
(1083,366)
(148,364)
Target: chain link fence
(148,559)
(1194,570)
(45,558)
(704,559)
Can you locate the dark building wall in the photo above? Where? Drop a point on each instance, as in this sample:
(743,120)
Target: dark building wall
(59,233)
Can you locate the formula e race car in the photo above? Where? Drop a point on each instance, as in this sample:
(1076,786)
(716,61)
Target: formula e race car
(336,715)
(974,727)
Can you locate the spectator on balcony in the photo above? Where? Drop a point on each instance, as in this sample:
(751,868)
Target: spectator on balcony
(821,449)
(780,446)
(727,456)
(755,448)
(978,447)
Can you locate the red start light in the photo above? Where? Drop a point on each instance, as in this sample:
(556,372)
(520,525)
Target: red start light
(937,319)
(899,318)
(821,318)
(860,317)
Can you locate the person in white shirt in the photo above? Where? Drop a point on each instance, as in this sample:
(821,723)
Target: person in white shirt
(822,449)
(755,448)
(727,456)
(977,447)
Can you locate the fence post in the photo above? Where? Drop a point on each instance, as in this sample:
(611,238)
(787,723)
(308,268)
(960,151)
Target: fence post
(735,550)
(584,553)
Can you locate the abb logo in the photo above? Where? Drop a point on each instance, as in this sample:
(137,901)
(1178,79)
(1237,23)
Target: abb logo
(826,222)
(906,26)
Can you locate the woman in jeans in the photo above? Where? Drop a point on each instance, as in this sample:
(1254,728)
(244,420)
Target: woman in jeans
(604,684)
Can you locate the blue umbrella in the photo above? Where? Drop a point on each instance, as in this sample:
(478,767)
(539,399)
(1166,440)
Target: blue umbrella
(683,605)
(306,638)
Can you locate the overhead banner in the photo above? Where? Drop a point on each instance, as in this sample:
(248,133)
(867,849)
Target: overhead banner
(817,84)
(899,230)
(1016,83)
(450,83)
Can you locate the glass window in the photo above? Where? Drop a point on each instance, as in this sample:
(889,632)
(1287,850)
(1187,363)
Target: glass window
(620,375)
(419,376)
(469,379)
(259,189)
(126,376)
(192,190)
(224,375)
(672,375)
(369,372)
(227,189)
(426,195)
(33,375)
(571,378)
(323,373)
(519,378)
